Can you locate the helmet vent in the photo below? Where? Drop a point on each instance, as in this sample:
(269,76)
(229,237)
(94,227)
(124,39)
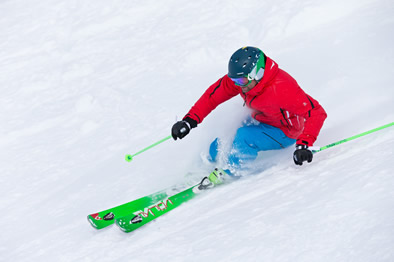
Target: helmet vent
(244,60)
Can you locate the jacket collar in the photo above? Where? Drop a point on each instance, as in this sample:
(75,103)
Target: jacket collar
(270,71)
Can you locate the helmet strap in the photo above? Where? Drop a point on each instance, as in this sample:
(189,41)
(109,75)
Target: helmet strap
(256,75)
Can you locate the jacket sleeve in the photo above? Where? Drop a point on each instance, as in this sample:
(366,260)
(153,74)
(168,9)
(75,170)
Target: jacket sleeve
(309,109)
(314,120)
(221,91)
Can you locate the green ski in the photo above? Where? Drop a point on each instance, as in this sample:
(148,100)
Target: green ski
(107,217)
(144,215)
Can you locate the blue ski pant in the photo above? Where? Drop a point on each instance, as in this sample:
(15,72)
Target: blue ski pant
(251,139)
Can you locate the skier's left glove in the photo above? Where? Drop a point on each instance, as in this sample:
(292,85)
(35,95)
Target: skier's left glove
(301,154)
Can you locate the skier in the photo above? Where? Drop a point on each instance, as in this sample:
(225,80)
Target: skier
(285,114)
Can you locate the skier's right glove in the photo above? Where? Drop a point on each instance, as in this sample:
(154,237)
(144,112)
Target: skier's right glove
(181,128)
(301,154)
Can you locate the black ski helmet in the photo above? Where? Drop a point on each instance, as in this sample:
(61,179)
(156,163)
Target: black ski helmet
(244,61)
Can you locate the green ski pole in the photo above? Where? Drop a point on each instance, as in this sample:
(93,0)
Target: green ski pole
(128,158)
(352,137)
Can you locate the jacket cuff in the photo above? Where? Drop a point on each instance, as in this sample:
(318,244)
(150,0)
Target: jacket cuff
(306,140)
(192,122)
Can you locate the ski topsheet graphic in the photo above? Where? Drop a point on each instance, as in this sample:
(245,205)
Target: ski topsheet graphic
(142,216)
(107,217)
(144,209)
(136,213)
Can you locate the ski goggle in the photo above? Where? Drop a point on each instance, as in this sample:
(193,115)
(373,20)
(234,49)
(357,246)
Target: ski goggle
(245,80)
(242,81)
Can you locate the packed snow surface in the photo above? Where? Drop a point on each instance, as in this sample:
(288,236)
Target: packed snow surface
(85,82)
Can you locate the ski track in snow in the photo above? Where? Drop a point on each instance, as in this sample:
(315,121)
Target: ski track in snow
(84,83)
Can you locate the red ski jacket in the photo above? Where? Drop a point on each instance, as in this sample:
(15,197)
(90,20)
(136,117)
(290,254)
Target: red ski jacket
(277,100)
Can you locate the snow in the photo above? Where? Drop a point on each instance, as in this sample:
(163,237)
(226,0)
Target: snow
(85,82)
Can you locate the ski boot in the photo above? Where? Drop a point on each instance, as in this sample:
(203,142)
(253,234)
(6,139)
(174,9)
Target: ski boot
(215,178)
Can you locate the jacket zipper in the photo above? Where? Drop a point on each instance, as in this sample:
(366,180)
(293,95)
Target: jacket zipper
(250,103)
(244,97)
(284,117)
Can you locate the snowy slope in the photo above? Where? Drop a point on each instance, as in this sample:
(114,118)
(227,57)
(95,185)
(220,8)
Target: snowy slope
(85,82)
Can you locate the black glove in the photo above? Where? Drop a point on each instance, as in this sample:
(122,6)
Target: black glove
(302,154)
(181,128)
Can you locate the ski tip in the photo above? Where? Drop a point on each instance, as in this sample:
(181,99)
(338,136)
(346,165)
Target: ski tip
(90,220)
(120,222)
